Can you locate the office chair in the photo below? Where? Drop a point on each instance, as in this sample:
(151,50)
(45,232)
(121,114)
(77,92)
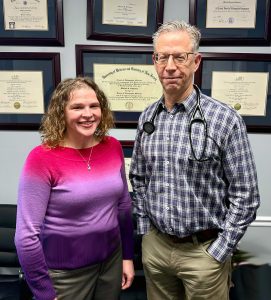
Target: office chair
(12,283)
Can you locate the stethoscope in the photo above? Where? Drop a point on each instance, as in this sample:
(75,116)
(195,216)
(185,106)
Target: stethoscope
(197,116)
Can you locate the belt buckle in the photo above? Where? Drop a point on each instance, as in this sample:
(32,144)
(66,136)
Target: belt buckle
(182,240)
(175,239)
(206,235)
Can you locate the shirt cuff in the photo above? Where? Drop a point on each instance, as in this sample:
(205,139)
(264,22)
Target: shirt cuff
(220,250)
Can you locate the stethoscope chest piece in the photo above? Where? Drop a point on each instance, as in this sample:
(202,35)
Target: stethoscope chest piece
(148,127)
(196,118)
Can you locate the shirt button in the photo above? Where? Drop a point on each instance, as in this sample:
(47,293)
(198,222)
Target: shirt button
(167,162)
(167,184)
(171,116)
(167,208)
(170,229)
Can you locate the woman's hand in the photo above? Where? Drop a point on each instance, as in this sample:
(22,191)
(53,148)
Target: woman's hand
(128,273)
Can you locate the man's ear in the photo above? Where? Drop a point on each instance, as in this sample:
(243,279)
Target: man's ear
(197,61)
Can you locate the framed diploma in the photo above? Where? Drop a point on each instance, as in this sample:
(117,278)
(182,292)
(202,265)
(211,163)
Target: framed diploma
(232,23)
(127,148)
(125,74)
(125,21)
(241,80)
(27,81)
(31,22)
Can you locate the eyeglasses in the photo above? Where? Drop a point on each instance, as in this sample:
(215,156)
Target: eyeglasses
(178,58)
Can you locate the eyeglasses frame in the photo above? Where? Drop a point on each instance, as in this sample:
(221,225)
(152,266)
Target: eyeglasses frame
(171,54)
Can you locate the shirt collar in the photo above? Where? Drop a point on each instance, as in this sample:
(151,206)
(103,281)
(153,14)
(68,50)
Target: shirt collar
(187,104)
(190,102)
(161,104)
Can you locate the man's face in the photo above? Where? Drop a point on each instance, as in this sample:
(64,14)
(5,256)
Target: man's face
(175,73)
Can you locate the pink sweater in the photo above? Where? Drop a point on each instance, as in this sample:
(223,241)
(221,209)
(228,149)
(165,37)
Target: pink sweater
(69,217)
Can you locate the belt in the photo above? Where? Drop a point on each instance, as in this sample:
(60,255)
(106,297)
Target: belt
(201,236)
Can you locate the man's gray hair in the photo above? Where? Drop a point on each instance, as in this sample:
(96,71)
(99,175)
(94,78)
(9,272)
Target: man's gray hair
(172,26)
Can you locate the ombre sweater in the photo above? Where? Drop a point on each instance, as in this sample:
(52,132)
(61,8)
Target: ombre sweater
(69,217)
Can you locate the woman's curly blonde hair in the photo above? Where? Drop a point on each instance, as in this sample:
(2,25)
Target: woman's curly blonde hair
(53,125)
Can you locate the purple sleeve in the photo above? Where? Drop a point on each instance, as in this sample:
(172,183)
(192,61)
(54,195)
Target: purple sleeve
(33,195)
(125,219)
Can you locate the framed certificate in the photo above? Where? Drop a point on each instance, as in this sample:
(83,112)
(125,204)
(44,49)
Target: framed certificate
(125,21)
(232,23)
(127,148)
(27,81)
(31,23)
(126,75)
(241,80)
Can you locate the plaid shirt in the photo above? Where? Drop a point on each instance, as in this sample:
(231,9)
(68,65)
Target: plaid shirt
(180,195)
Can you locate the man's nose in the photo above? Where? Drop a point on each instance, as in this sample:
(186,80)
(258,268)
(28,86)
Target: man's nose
(170,63)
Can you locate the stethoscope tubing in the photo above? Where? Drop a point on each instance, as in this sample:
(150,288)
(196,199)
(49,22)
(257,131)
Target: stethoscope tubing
(149,126)
(198,119)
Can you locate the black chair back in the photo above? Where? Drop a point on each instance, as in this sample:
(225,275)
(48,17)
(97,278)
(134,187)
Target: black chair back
(8,254)
(12,283)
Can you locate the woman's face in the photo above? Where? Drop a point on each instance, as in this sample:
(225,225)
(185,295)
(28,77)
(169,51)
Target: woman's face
(82,115)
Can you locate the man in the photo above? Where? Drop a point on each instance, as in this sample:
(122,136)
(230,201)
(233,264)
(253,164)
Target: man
(195,186)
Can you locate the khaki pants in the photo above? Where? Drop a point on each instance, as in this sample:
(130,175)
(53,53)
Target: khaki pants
(176,271)
(97,282)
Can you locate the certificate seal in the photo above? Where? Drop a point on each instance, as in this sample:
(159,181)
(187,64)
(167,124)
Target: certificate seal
(129,105)
(231,20)
(237,106)
(17,105)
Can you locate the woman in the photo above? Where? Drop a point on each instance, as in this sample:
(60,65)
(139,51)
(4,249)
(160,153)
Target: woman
(74,225)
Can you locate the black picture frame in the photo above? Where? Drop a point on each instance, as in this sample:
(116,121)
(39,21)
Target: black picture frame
(96,30)
(87,55)
(258,36)
(238,62)
(53,37)
(49,64)
(127,148)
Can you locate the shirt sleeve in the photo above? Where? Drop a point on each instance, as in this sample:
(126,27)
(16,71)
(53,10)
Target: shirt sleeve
(243,195)
(137,176)
(33,196)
